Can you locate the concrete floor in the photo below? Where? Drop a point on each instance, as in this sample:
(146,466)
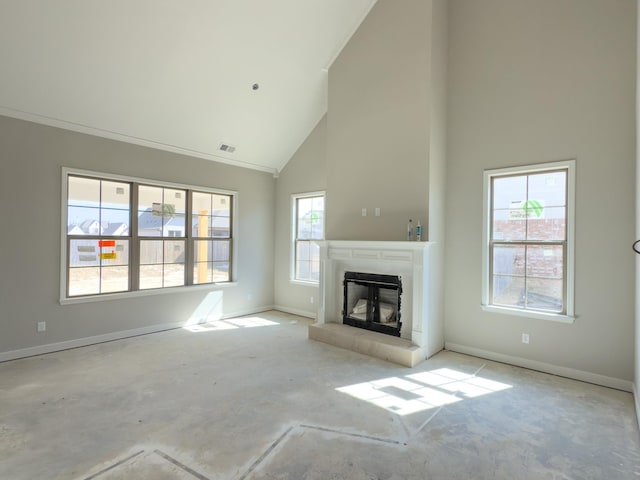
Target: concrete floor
(252,398)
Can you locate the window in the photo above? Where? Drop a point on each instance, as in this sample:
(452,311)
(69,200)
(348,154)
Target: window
(161,214)
(211,226)
(124,235)
(528,258)
(308,228)
(98,241)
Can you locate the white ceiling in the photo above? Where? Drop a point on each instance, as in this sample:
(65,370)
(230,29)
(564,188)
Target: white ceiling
(176,74)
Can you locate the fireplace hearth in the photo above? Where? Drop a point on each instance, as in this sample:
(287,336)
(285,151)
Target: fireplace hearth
(373,302)
(416,330)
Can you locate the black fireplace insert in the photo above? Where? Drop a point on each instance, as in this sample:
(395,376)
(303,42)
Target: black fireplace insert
(372,302)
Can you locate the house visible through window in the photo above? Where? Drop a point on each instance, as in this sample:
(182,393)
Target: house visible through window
(212,234)
(308,227)
(98,237)
(162,236)
(528,235)
(126,235)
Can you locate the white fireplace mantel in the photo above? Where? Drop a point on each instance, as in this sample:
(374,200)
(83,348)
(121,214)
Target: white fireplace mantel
(410,260)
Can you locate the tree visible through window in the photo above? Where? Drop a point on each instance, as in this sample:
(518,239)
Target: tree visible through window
(162,236)
(308,229)
(528,238)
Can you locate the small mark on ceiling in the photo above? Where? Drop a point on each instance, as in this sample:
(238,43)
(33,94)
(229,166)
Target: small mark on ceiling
(227,148)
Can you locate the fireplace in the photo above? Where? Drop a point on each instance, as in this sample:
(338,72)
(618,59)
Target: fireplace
(413,269)
(372,301)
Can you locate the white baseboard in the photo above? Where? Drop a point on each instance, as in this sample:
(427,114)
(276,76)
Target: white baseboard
(574,374)
(249,311)
(108,337)
(303,313)
(637,402)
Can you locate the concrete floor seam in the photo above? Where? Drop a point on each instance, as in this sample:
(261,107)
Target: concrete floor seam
(266,453)
(181,465)
(287,433)
(350,434)
(115,465)
(426,422)
(130,458)
(258,462)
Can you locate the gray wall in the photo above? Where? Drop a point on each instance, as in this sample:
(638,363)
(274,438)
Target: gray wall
(531,82)
(382,144)
(435,229)
(438,121)
(31,159)
(378,125)
(305,172)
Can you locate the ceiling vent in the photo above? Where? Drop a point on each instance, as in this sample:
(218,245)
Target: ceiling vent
(227,148)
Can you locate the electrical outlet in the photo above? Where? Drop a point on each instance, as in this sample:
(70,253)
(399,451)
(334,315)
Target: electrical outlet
(42,326)
(310,299)
(525,338)
(377,211)
(364,212)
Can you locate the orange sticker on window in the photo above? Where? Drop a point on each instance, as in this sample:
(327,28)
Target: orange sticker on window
(108,256)
(106,243)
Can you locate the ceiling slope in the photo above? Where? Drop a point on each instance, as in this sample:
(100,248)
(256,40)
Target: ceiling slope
(178,76)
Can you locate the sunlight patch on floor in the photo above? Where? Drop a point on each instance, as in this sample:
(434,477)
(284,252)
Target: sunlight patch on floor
(422,391)
(230,324)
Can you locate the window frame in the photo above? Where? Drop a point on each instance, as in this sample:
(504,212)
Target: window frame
(294,233)
(568,316)
(134,238)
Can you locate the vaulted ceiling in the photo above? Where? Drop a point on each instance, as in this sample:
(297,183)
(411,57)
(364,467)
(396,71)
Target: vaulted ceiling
(186,76)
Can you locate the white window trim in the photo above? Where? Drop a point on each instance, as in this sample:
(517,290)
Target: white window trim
(293,225)
(64,300)
(569,315)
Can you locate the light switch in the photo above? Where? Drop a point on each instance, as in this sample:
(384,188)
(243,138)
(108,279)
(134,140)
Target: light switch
(364,212)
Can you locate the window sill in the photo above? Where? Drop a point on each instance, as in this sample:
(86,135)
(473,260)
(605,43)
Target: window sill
(304,283)
(145,293)
(552,317)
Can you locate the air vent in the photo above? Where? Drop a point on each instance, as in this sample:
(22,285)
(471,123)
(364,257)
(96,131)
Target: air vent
(227,148)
